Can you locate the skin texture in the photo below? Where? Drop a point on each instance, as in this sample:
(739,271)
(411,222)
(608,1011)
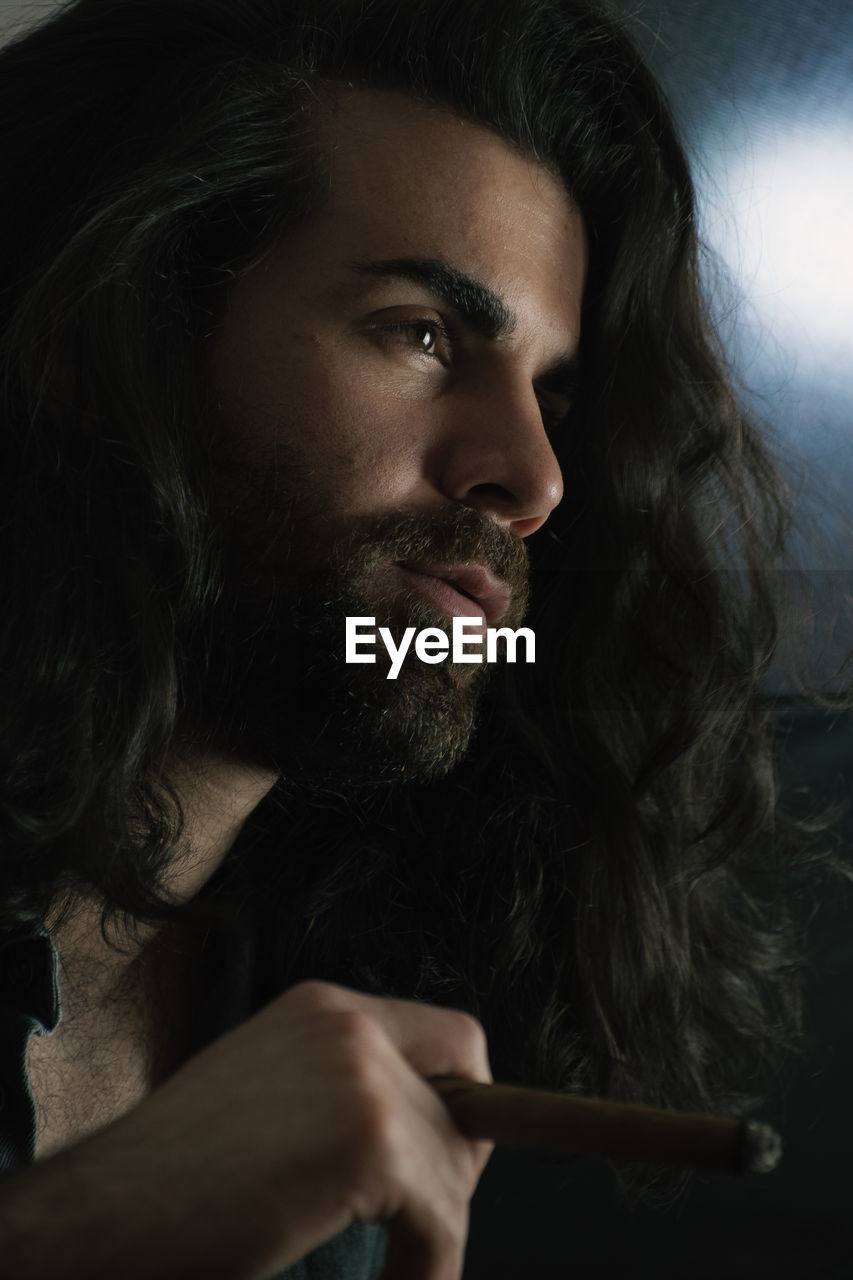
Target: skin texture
(113,1042)
(315,1112)
(312,1114)
(366,423)
(305,354)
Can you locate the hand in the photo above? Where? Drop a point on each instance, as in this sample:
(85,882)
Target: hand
(311,1115)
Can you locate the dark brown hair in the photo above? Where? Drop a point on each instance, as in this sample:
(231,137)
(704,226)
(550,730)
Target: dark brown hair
(599,882)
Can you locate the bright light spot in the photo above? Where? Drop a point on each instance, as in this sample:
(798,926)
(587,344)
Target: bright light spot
(786,229)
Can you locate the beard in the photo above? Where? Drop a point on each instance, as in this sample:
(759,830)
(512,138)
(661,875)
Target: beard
(267,677)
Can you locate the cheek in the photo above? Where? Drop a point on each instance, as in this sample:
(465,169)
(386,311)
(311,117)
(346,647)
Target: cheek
(353,428)
(351,432)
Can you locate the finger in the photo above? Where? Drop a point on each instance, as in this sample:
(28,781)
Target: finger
(423,1247)
(432,1039)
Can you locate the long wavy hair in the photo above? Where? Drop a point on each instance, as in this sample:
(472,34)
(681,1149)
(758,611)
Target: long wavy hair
(599,881)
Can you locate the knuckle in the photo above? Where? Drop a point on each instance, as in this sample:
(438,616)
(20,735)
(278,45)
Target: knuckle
(358,1038)
(471,1032)
(357,1047)
(372,1151)
(314,995)
(377,1126)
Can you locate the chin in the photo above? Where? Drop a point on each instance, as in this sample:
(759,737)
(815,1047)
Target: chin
(364,730)
(422,738)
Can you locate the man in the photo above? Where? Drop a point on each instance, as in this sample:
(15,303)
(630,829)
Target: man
(331,310)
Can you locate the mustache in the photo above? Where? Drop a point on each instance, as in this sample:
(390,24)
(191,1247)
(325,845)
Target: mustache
(452,536)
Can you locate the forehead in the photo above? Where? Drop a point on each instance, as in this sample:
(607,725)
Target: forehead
(412,178)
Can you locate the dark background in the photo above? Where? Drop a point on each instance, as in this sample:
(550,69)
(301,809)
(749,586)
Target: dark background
(763,90)
(535,1220)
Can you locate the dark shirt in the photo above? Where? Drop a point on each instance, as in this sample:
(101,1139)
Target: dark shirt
(30,1004)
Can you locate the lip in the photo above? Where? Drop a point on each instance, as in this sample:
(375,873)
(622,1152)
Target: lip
(490,593)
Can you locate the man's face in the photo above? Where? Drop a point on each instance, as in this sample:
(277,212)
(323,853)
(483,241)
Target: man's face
(387,378)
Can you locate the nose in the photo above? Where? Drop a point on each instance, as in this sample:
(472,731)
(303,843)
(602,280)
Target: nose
(495,455)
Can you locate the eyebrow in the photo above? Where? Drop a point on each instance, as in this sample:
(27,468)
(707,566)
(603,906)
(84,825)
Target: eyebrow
(476,303)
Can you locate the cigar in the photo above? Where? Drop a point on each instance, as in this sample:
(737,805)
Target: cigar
(621,1131)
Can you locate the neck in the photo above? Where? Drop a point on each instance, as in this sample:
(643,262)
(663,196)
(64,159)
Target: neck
(217,795)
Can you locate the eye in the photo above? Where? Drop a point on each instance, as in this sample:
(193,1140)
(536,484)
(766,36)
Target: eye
(426,335)
(555,412)
(422,336)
